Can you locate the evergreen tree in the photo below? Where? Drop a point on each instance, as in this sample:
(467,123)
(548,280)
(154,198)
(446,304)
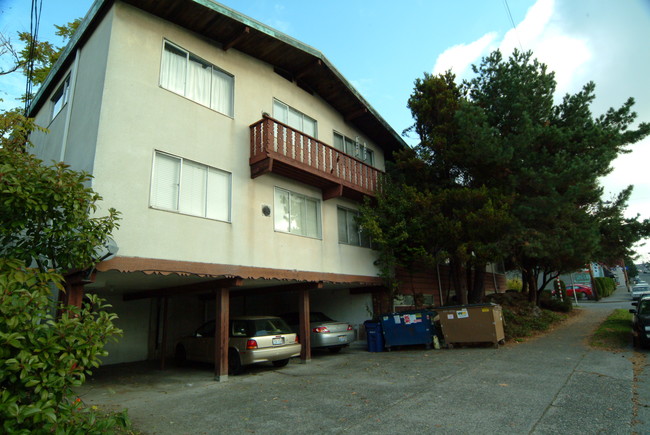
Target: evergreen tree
(558,152)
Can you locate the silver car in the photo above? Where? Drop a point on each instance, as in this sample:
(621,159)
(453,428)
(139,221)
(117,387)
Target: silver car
(253,339)
(639,291)
(325,332)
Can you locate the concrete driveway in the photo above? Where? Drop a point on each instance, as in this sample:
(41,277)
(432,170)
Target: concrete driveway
(552,384)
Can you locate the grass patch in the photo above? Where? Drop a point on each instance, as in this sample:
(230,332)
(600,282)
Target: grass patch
(615,332)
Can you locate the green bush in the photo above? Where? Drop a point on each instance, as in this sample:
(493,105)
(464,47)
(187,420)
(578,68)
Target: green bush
(605,286)
(43,357)
(557,305)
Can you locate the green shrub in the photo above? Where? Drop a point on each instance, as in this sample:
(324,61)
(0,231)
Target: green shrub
(606,286)
(557,305)
(42,357)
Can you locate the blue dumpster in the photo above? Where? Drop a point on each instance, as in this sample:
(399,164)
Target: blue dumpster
(374,336)
(408,328)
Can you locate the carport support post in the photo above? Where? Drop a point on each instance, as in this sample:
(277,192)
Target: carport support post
(304,333)
(221,334)
(163,347)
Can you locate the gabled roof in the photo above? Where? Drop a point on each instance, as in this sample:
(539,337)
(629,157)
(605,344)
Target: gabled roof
(296,61)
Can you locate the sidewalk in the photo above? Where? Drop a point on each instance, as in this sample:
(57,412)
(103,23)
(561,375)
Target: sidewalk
(552,384)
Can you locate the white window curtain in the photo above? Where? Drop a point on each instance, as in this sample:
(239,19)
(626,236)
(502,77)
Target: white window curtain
(192,77)
(174,69)
(166,181)
(222,92)
(294,118)
(199,76)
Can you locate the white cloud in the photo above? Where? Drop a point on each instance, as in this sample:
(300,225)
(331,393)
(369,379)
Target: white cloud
(541,32)
(459,57)
(531,29)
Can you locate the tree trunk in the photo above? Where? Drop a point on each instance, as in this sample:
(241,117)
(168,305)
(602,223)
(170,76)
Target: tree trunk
(477,290)
(524,282)
(532,287)
(457,281)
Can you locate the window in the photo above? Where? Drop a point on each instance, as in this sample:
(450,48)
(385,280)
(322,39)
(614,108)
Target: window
(350,232)
(293,118)
(189,76)
(188,187)
(297,214)
(354,148)
(60,97)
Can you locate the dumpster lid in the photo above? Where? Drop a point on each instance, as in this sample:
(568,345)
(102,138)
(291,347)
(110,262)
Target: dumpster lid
(460,307)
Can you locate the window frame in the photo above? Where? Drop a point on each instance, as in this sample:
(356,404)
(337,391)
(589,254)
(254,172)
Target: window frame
(296,195)
(360,236)
(61,93)
(359,147)
(189,56)
(180,191)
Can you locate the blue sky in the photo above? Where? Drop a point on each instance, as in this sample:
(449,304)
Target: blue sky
(381,47)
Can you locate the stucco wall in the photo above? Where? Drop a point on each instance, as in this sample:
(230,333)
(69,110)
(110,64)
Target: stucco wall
(72,134)
(133,319)
(139,117)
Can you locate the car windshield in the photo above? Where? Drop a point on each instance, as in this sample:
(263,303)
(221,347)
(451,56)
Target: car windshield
(248,328)
(314,317)
(261,327)
(640,289)
(319,317)
(644,307)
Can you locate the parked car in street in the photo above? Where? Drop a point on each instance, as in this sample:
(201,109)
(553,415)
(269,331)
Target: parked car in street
(640,290)
(324,331)
(253,339)
(641,322)
(581,290)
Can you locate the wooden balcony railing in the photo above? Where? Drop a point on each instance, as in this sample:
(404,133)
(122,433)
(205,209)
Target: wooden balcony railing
(283,150)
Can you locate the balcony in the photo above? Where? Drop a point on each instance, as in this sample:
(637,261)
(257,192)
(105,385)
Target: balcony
(279,149)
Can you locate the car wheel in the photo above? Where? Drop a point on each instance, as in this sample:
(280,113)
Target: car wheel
(234,362)
(281,362)
(180,356)
(335,349)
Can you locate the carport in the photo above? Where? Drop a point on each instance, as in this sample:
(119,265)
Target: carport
(162,285)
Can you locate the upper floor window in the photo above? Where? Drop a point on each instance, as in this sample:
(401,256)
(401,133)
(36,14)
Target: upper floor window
(293,118)
(60,97)
(350,232)
(189,187)
(297,214)
(192,77)
(354,148)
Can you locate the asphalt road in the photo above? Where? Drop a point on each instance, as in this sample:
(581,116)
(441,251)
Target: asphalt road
(552,384)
